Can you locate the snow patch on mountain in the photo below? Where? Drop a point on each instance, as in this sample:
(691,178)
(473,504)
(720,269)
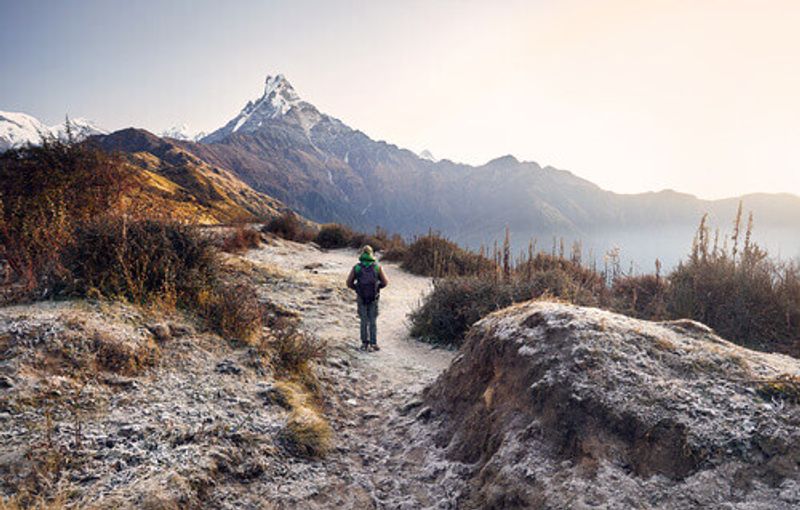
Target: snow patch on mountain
(18,129)
(79,127)
(183,132)
(427,155)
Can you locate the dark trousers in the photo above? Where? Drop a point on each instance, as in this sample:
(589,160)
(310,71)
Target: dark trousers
(369,321)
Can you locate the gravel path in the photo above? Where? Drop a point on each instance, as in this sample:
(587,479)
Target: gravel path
(385,456)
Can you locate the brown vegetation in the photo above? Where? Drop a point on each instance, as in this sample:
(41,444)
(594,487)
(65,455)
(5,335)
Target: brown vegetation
(739,291)
(289,226)
(434,255)
(45,192)
(241,238)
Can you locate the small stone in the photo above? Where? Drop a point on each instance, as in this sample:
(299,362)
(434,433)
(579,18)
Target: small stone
(409,406)
(6,382)
(179,330)
(424,414)
(160,331)
(273,396)
(228,367)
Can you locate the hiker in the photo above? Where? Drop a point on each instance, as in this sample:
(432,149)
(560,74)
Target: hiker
(367,279)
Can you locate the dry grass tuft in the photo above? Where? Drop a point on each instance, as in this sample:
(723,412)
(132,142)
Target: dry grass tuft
(306,434)
(784,387)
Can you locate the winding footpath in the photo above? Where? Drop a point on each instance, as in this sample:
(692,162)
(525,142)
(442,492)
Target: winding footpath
(384,455)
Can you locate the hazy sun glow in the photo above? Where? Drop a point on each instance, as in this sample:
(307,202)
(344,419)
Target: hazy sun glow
(698,96)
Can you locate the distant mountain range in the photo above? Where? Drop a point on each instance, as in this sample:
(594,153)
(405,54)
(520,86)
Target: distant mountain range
(285,148)
(18,129)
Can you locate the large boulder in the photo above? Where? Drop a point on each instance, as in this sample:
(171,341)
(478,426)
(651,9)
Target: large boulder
(559,406)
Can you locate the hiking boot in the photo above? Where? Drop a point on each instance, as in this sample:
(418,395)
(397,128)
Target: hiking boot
(364,347)
(374,347)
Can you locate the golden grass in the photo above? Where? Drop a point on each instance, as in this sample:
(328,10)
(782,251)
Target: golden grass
(306,433)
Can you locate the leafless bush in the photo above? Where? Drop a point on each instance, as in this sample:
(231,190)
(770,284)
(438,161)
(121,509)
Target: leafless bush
(289,226)
(241,238)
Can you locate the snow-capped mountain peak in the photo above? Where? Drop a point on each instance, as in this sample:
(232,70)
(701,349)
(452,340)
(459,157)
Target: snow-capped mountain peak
(18,129)
(426,154)
(280,94)
(79,128)
(183,132)
(280,101)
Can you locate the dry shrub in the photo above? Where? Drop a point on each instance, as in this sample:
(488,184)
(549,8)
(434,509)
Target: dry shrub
(140,260)
(434,255)
(22,503)
(126,358)
(456,303)
(292,350)
(45,192)
(289,226)
(641,296)
(743,294)
(396,252)
(334,235)
(232,310)
(241,238)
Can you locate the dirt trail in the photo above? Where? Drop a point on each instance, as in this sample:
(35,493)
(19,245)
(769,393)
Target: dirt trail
(384,456)
(329,310)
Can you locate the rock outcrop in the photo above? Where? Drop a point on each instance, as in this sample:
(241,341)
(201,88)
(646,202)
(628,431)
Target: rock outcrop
(558,406)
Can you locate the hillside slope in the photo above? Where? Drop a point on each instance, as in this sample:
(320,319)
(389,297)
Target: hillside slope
(175,183)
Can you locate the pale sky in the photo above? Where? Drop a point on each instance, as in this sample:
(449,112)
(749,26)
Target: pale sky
(697,96)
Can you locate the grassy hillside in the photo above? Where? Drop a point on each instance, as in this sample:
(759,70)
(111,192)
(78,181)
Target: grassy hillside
(172,182)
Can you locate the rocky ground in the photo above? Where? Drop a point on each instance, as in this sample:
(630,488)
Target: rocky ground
(546,405)
(566,407)
(111,406)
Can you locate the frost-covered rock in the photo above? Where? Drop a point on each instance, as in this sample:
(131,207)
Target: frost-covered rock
(560,406)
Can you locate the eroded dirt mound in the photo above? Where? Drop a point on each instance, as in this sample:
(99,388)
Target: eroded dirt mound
(560,406)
